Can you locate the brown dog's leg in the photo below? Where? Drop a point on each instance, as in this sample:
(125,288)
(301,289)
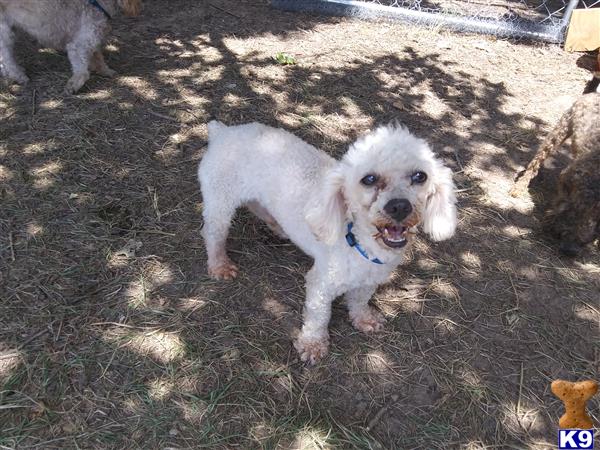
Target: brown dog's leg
(98,65)
(557,136)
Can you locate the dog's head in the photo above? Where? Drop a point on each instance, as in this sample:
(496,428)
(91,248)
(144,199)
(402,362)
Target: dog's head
(574,218)
(130,7)
(387,183)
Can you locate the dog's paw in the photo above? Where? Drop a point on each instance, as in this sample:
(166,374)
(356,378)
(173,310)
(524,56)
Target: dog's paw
(22,79)
(107,72)
(18,77)
(70,88)
(75,83)
(368,321)
(224,271)
(312,350)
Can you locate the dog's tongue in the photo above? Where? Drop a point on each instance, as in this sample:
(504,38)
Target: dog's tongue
(395,233)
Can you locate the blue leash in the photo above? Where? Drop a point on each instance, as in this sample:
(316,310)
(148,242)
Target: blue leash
(352,242)
(97,5)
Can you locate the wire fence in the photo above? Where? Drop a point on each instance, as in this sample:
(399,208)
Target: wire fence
(544,20)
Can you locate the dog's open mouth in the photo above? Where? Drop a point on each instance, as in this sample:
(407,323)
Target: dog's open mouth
(393,236)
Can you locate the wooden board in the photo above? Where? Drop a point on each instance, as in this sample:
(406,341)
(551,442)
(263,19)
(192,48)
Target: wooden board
(584,30)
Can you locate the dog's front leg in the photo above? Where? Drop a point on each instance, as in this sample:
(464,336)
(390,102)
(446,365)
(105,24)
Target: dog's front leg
(313,341)
(364,317)
(8,64)
(81,52)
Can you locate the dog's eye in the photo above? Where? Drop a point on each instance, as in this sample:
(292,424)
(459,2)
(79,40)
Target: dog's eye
(369,180)
(418,177)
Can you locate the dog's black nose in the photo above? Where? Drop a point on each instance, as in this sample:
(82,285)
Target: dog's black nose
(398,208)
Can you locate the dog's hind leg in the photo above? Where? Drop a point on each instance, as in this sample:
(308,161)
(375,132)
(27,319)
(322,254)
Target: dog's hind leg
(558,135)
(313,341)
(259,211)
(217,219)
(8,64)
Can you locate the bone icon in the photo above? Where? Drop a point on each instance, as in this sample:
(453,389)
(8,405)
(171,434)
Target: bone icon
(574,396)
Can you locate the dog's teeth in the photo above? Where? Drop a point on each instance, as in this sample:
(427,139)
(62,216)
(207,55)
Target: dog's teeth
(397,240)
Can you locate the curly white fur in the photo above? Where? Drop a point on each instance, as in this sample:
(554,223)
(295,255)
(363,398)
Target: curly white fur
(310,197)
(74,26)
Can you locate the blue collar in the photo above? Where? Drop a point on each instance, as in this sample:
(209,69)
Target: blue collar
(352,242)
(95,4)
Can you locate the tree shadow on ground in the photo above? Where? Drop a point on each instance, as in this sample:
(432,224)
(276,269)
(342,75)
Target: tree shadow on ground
(114,349)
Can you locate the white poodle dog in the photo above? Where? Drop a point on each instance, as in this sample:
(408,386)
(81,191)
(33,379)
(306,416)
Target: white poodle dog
(78,27)
(355,217)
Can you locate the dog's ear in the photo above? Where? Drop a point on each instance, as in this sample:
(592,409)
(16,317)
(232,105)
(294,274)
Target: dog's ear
(326,213)
(439,218)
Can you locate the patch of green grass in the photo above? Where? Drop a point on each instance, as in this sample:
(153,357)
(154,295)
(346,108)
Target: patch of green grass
(140,391)
(212,400)
(307,118)
(14,381)
(23,428)
(284,59)
(108,437)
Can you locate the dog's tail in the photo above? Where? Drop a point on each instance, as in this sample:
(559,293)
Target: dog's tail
(558,135)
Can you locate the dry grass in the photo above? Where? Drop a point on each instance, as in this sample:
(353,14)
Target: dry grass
(112,335)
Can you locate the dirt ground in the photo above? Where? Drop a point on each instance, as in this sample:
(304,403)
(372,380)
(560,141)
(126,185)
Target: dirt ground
(113,336)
